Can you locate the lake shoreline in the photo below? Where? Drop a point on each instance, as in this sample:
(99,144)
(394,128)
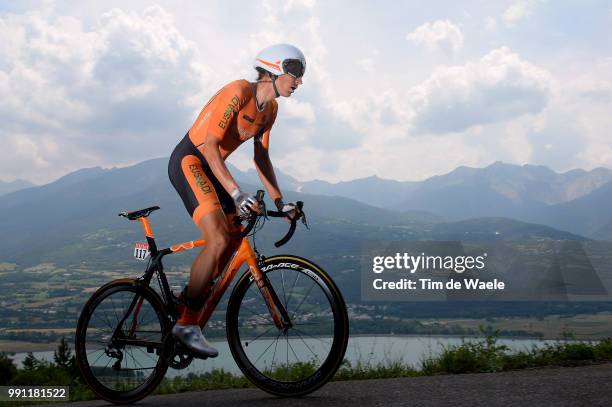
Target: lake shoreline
(13,347)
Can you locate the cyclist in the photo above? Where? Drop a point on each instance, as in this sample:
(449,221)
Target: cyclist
(241,110)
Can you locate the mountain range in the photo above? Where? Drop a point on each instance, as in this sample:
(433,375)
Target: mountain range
(16,185)
(75,218)
(575,200)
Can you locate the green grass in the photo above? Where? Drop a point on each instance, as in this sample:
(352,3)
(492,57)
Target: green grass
(215,380)
(486,355)
(483,355)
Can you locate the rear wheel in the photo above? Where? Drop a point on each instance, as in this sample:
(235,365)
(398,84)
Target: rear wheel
(302,358)
(118,341)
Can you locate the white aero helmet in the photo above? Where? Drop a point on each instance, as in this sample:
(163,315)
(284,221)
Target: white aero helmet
(281,58)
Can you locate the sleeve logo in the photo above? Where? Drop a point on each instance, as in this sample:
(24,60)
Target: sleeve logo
(229,111)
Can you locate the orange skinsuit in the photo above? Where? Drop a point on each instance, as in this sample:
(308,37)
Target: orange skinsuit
(232,116)
(219,117)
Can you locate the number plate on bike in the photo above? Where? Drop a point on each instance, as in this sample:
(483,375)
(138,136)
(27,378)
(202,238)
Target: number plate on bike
(141,251)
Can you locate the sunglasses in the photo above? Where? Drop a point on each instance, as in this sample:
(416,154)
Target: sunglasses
(294,67)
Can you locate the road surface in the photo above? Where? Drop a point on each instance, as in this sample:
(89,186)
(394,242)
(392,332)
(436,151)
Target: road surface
(555,386)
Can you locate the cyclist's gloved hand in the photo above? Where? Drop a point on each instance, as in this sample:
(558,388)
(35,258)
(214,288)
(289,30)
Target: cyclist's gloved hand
(245,202)
(289,208)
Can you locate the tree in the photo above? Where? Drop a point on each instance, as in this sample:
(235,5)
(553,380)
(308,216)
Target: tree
(7,369)
(30,362)
(63,355)
(65,360)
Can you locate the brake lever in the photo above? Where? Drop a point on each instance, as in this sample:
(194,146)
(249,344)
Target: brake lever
(300,206)
(304,221)
(264,210)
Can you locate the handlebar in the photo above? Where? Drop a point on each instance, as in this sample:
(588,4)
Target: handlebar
(291,231)
(274,214)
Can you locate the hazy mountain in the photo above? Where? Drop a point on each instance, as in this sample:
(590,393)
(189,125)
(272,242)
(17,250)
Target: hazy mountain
(18,184)
(75,219)
(502,190)
(372,190)
(590,214)
(250,176)
(603,232)
(525,183)
(574,201)
(43,191)
(530,193)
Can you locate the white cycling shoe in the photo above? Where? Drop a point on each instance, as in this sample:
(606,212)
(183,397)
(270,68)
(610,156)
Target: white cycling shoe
(192,338)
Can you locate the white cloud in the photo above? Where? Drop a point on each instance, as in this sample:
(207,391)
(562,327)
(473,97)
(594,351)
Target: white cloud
(577,123)
(441,35)
(518,11)
(367,64)
(114,90)
(598,154)
(293,109)
(292,4)
(117,87)
(500,86)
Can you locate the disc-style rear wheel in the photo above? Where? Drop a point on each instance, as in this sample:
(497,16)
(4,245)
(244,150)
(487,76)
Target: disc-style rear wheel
(118,341)
(302,358)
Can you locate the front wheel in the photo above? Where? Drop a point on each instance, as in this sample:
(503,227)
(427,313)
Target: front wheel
(302,358)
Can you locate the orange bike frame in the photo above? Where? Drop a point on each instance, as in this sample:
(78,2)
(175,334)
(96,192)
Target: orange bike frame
(243,253)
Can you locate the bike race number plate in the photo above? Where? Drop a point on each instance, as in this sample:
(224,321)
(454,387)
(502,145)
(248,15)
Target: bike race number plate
(141,251)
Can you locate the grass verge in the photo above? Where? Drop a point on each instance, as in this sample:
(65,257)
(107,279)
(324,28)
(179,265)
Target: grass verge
(473,356)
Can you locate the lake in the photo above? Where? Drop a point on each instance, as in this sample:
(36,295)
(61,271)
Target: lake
(367,349)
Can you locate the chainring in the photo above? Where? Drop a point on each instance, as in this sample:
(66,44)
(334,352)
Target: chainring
(175,354)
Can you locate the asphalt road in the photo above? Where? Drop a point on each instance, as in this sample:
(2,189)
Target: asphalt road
(566,386)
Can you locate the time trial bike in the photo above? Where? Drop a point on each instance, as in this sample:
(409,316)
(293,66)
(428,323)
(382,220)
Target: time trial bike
(286,321)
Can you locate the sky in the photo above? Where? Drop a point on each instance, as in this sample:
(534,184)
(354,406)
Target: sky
(398,89)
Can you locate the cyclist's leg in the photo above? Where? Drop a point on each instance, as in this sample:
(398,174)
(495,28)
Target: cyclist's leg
(207,263)
(200,198)
(216,230)
(206,201)
(212,259)
(210,216)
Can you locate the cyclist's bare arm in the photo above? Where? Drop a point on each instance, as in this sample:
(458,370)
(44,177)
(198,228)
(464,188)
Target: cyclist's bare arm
(266,171)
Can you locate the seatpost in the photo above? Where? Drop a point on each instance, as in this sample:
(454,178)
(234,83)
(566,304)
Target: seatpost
(148,231)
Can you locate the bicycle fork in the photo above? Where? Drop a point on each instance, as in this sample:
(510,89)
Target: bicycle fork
(246,254)
(275,306)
